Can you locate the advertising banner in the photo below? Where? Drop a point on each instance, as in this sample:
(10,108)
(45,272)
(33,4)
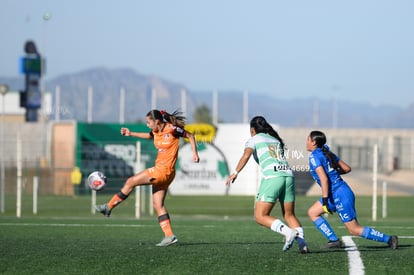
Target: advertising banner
(101,147)
(219,149)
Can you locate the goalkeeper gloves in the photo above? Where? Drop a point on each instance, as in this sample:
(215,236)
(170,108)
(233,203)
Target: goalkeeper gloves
(325,206)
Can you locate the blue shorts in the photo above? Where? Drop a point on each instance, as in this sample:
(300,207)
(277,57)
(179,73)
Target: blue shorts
(343,203)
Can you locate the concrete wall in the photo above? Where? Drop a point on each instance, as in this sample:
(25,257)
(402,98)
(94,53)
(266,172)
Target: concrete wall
(63,157)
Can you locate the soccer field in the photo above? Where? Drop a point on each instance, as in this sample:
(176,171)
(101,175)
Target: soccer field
(217,235)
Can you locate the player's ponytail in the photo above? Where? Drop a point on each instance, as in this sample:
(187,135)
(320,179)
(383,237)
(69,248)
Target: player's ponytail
(320,139)
(260,125)
(176,118)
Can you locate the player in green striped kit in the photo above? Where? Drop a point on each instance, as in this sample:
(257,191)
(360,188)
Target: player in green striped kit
(277,182)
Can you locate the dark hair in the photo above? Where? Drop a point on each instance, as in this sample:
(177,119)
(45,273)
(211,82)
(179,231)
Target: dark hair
(320,139)
(260,125)
(176,118)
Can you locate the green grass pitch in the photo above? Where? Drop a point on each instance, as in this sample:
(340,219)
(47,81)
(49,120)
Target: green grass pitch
(217,235)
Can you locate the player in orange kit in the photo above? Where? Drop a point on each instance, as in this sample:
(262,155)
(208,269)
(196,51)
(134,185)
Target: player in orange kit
(166,131)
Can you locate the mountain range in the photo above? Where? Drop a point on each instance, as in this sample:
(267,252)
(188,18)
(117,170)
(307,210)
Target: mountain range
(138,88)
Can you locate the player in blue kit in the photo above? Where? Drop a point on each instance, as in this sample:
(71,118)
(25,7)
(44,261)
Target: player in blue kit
(326,169)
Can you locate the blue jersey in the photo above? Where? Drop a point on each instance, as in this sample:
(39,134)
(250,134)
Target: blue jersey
(341,198)
(316,159)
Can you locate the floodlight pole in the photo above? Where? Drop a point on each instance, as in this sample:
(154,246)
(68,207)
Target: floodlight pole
(90,104)
(153,98)
(184,101)
(215,107)
(122,106)
(46,17)
(246,107)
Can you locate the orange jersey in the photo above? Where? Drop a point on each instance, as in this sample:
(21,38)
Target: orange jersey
(167,143)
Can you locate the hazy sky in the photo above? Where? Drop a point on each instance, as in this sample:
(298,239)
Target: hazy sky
(360,50)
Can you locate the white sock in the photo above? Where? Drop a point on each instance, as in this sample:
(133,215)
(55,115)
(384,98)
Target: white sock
(281,228)
(300,232)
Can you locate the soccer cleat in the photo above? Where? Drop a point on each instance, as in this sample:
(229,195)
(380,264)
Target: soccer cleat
(333,244)
(289,241)
(304,250)
(168,241)
(393,242)
(303,247)
(104,209)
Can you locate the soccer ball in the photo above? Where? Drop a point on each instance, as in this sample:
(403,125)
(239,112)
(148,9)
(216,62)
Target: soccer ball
(96,180)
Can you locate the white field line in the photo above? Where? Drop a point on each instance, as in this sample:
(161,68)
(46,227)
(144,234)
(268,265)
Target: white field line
(74,225)
(356,267)
(87,225)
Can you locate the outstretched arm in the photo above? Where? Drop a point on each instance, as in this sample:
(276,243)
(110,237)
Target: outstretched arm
(240,165)
(126,132)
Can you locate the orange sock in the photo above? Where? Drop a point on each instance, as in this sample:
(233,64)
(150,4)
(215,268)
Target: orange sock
(117,199)
(165,224)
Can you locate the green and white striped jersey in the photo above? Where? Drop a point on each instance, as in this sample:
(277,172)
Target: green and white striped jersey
(270,156)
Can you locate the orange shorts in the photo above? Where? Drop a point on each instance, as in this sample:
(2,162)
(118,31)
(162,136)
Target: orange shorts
(160,179)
